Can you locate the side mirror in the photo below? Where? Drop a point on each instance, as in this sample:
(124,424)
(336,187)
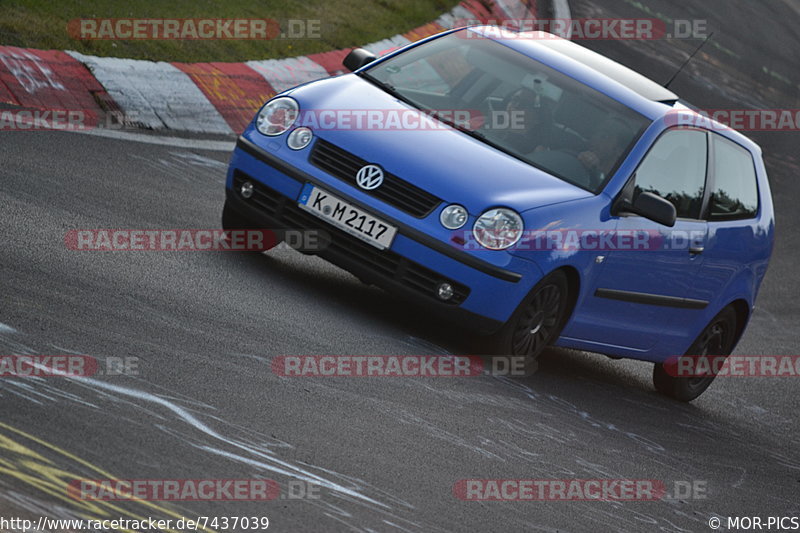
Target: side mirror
(655,208)
(357,58)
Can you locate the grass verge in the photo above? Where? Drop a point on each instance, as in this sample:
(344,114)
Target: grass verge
(341,24)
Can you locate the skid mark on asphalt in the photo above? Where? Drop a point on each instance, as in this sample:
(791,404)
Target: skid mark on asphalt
(193,424)
(427,347)
(538,422)
(433,430)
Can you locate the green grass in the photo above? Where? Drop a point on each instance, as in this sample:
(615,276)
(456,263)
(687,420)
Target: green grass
(344,23)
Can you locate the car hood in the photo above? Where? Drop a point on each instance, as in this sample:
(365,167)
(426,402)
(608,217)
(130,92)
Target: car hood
(446,162)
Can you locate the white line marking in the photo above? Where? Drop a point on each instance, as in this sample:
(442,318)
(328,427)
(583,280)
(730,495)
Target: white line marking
(196,144)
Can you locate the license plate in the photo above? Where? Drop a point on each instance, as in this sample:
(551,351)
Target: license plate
(347,217)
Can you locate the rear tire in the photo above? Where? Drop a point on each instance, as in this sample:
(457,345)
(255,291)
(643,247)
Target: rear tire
(537,321)
(233,220)
(715,341)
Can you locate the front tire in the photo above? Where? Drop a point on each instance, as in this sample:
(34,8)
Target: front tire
(538,320)
(715,341)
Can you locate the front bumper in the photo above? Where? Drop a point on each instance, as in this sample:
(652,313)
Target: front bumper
(485,294)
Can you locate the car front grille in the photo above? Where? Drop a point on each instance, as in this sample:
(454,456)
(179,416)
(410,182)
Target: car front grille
(394,191)
(385,263)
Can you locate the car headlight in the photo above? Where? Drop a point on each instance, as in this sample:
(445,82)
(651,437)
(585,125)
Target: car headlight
(277,116)
(498,228)
(453,216)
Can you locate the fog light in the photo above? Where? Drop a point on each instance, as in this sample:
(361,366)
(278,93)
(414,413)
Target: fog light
(453,216)
(299,138)
(444,291)
(246,190)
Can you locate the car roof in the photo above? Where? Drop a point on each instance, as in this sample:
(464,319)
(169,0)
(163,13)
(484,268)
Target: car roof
(605,75)
(616,71)
(641,85)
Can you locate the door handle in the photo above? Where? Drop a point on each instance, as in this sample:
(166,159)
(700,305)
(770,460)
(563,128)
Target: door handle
(696,249)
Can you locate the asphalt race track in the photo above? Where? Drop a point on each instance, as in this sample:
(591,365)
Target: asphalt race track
(385,453)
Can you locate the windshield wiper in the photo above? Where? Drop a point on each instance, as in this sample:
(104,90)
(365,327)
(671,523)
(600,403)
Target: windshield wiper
(472,133)
(460,127)
(388,88)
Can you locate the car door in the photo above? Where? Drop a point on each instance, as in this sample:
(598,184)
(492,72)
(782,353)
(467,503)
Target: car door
(734,239)
(644,292)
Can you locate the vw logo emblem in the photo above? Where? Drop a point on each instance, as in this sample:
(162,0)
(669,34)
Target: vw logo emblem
(369,177)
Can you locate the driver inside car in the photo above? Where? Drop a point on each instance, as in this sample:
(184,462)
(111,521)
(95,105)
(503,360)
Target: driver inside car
(527,125)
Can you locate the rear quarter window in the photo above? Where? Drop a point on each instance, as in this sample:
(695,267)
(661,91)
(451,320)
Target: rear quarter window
(735,192)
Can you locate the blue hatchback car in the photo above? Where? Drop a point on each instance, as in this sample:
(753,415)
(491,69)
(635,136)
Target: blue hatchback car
(526,186)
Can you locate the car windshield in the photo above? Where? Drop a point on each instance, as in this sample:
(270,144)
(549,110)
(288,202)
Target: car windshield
(516,104)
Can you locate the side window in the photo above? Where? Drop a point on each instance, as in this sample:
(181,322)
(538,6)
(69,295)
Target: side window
(735,194)
(675,169)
